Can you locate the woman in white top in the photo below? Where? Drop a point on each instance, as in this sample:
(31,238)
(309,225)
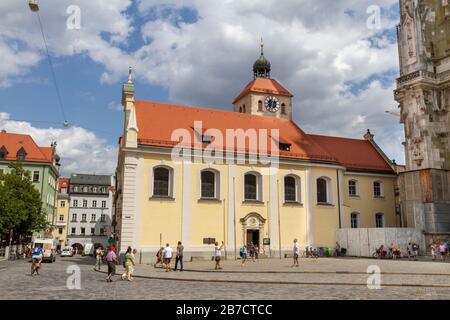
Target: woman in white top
(218,254)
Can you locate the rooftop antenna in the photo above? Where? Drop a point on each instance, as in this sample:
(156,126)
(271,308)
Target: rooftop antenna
(130,71)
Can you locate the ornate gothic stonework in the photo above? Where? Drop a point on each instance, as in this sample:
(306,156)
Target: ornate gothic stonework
(423,94)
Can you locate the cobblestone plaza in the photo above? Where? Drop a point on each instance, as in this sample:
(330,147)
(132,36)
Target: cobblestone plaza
(325,278)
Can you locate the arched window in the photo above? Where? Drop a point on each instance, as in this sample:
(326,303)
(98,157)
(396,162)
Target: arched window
(352,188)
(283,108)
(240,109)
(322,191)
(379,220)
(260,105)
(354,220)
(378,189)
(208,184)
(292,189)
(161,182)
(253,186)
(243,108)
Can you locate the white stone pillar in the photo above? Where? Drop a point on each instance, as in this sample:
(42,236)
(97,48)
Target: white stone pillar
(186,219)
(341,198)
(273,218)
(231,234)
(309,211)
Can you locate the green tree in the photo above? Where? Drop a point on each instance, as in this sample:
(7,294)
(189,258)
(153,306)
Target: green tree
(20,203)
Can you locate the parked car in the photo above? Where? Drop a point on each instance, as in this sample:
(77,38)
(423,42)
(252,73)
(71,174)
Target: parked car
(67,252)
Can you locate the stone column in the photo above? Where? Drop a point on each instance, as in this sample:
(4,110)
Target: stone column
(186,205)
(309,204)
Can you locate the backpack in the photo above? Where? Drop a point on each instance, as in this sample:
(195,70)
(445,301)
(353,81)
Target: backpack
(241,253)
(415,247)
(124,261)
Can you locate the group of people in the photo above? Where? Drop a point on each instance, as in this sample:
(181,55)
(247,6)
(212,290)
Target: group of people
(112,260)
(164,257)
(251,250)
(440,248)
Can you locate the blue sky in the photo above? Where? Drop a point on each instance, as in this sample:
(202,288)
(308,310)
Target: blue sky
(195,53)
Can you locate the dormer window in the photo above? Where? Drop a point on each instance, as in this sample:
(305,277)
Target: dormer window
(3,153)
(206,139)
(285,147)
(21,154)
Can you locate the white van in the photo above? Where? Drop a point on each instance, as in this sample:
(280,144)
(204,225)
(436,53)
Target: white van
(48,249)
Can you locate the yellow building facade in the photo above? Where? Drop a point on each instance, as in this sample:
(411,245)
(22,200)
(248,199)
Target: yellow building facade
(318,185)
(62,212)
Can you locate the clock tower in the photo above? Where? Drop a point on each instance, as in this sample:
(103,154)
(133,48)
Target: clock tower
(264,96)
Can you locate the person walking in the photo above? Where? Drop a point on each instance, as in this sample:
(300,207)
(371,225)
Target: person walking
(218,254)
(434,251)
(252,251)
(256,251)
(129,265)
(296,251)
(179,256)
(159,257)
(410,250)
(36,258)
(415,250)
(243,254)
(98,258)
(111,260)
(167,254)
(443,251)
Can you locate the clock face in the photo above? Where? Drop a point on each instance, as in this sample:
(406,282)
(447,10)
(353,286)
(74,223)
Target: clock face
(272,104)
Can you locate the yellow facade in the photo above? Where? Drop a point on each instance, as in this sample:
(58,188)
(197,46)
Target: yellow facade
(61,219)
(161,219)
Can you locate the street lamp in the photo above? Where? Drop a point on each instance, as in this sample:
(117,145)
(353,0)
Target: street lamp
(33,5)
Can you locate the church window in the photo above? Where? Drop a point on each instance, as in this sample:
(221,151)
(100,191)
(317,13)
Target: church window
(162,182)
(379,220)
(378,189)
(252,187)
(208,184)
(291,189)
(354,220)
(240,109)
(322,191)
(353,188)
(283,108)
(243,108)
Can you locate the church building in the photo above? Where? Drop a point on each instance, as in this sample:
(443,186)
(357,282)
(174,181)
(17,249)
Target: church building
(320,183)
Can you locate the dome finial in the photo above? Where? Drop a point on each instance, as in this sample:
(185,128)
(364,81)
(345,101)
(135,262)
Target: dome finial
(261,67)
(262,46)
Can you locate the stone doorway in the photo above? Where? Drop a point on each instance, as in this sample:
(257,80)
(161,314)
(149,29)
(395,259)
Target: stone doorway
(252,229)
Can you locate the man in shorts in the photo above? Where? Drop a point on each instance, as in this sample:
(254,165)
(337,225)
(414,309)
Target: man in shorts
(167,254)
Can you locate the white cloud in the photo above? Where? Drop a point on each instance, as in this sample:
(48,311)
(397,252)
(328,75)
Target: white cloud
(80,150)
(316,48)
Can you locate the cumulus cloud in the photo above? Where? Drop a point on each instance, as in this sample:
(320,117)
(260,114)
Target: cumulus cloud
(80,150)
(320,50)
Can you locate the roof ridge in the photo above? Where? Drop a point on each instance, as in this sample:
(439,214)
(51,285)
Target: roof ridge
(209,109)
(335,137)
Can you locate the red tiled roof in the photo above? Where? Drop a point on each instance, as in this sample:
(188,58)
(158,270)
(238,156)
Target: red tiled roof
(13,142)
(157,121)
(63,183)
(353,153)
(264,85)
